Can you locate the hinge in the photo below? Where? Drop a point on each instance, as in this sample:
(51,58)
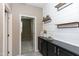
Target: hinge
(8,52)
(8,35)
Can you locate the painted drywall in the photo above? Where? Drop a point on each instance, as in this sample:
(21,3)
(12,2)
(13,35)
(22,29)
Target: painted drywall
(26,9)
(68,14)
(1,29)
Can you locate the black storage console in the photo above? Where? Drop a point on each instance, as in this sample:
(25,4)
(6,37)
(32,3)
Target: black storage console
(48,48)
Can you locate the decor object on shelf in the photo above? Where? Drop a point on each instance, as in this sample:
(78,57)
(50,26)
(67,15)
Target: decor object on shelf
(45,33)
(46,19)
(61,6)
(68,25)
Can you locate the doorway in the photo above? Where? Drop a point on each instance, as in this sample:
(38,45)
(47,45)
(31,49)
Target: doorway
(27,34)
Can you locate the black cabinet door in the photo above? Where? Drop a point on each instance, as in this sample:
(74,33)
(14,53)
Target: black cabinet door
(64,52)
(51,50)
(44,47)
(39,44)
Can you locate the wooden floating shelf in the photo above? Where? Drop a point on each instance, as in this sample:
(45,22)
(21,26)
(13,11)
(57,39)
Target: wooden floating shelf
(61,6)
(68,25)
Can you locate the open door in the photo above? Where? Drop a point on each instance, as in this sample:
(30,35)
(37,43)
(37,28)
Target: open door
(7,50)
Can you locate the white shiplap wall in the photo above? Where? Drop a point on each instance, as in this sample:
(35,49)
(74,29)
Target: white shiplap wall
(68,14)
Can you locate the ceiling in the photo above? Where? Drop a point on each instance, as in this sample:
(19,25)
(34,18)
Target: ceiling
(41,5)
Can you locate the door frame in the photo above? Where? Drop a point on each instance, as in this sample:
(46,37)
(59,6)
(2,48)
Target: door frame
(7,47)
(35,34)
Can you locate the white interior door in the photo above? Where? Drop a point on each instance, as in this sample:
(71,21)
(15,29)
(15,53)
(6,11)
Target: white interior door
(8,34)
(7,31)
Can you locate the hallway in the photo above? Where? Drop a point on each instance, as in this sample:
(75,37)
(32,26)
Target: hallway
(27,46)
(27,36)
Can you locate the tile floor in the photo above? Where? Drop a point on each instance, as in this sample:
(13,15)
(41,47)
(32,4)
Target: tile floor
(32,54)
(27,49)
(26,46)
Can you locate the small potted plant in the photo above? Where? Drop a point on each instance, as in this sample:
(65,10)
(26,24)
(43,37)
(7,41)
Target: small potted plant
(45,33)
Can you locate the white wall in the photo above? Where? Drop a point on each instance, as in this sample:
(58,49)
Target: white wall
(68,14)
(1,29)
